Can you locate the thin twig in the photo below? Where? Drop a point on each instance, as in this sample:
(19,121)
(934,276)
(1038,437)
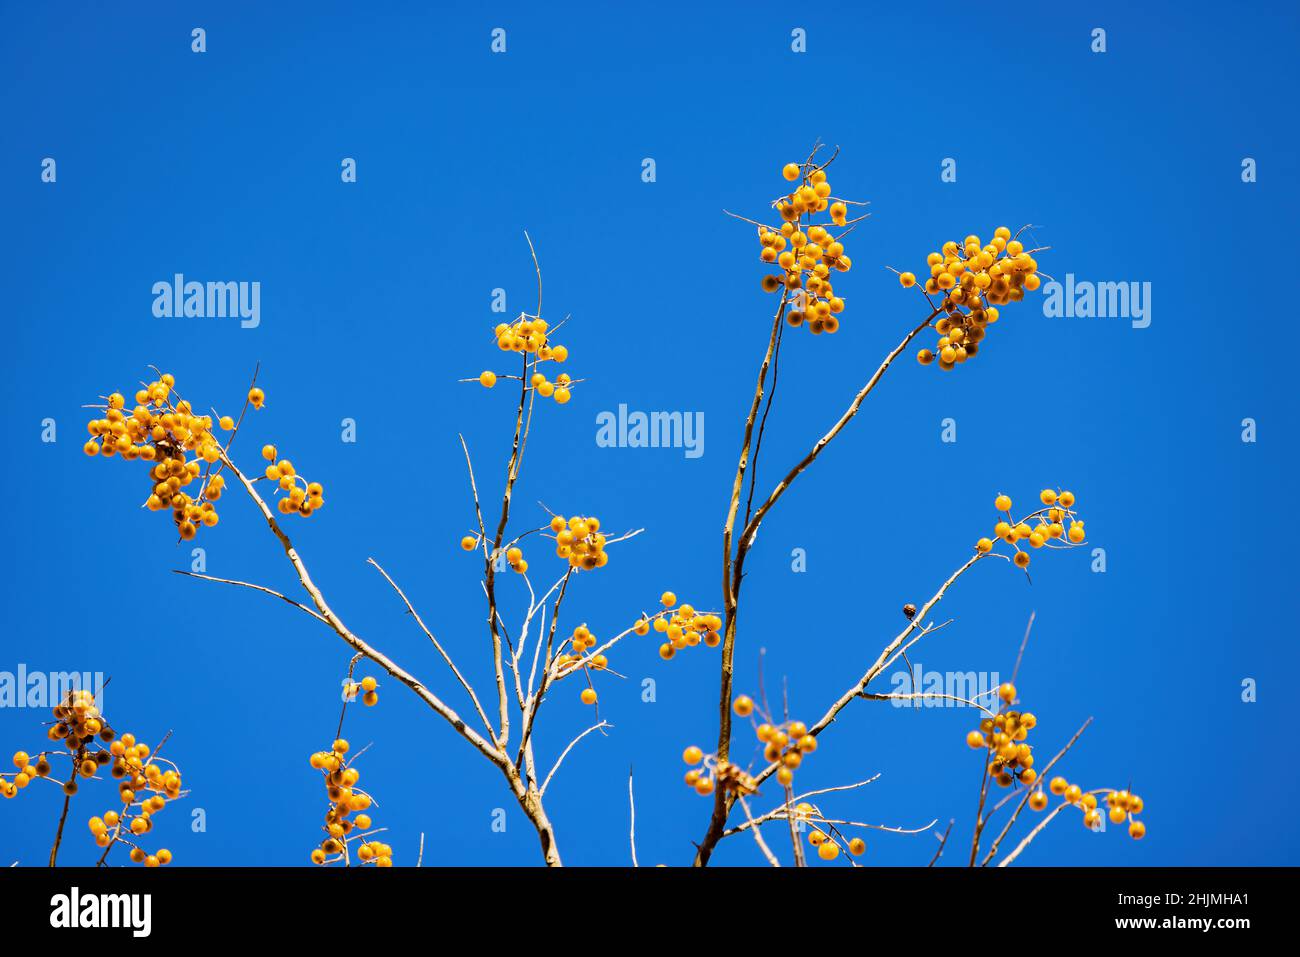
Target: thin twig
(631,800)
(942,842)
(565,753)
(261,588)
(445,657)
(758,834)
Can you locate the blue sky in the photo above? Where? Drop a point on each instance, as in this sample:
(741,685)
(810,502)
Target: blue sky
(375,300)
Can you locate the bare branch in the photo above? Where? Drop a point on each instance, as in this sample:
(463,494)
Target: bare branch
(261,588)
(631,800)
(410,609)
(1032,834)
(942,841)
(486,748)
(565,753)
(758,835)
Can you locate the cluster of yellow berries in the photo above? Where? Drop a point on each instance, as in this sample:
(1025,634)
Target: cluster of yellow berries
(1045,526)
(145,786)
(807,257)
(827,844)
(1121,805)
(300,496)
(783,744)
(166,434)
(528,335)
(346,813)
(726,775)
(975,279)
(684,628)
(1010,759)
(514,555)
(581,641)
(580,541)
(367,687)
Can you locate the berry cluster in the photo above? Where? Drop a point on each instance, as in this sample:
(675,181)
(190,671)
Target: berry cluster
(166,434)
(580,541)
(726,775)
(827,841)
(164,429)
(974,279)
(1044,527)
(528,335)
(514,555)
(145,786)
(581,641)
(784,744)
(1010,759)
(346,813)
(299,499)
(1122,805)
(367,687)
(807,256)
(684,628)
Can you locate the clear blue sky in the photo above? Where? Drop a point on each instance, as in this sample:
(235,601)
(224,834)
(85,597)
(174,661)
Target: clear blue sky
(376,298)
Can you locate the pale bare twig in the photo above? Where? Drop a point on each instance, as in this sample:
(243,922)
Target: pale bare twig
(942,841)
(758,834)
(410,610)
(565,753)
(631,801)
(261,588)
(1032,834)
(328,615)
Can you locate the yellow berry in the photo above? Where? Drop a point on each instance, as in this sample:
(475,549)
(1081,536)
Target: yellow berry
(487,379)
